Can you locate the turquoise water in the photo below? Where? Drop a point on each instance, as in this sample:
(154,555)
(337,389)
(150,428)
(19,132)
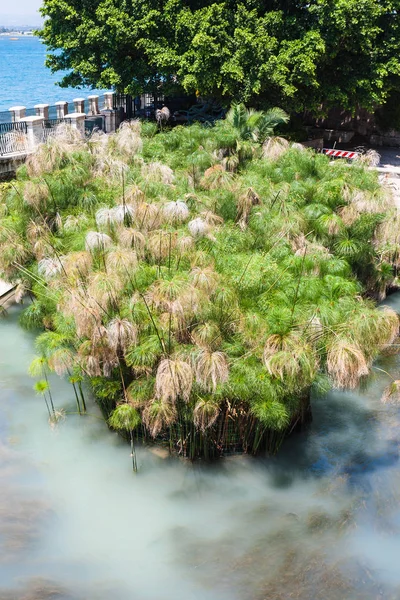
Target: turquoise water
(24,80)
(319,522)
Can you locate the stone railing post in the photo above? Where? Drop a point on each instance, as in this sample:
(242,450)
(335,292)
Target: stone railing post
(17,113)
(78,122)
(110,118)
(42,110)
(110,115)
(79,104)
(109,100)
(34,132)
(93,105)
(62,109)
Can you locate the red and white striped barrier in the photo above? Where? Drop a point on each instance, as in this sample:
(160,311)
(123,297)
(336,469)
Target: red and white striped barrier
(340,153)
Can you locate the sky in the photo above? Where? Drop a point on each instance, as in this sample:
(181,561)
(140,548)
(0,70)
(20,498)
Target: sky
(20,12)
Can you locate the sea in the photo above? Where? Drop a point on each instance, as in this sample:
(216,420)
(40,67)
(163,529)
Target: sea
(24,79)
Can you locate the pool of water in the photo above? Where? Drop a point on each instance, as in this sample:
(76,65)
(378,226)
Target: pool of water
(319,522)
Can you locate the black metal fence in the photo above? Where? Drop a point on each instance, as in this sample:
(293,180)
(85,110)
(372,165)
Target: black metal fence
(13,135)
(142,107)
(13,138)
(50,127)
(52,123)
(128,107)
(124,104)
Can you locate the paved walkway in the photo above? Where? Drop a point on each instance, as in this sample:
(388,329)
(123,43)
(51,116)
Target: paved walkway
(4,287)
(389,167)
(390,157)
(6,300)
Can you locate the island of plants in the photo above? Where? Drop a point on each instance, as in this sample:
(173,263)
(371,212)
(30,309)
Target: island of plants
(203,280)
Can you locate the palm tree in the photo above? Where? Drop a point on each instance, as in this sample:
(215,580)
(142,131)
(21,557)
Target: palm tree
(255,126)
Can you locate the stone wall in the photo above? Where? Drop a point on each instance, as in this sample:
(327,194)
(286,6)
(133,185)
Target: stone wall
(337,123)
(9,165)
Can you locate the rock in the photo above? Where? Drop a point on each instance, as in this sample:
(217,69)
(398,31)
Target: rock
(159,452)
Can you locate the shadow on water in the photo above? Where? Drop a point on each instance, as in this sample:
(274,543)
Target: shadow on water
(320,521)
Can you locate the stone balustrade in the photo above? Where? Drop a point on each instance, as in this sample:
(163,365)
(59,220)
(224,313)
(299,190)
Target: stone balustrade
(34,131)
(42,110)
(77,121)
(62,109)
(109,100)
(79,104)
(76,118)
(93,105)
(40,124)
(18,113)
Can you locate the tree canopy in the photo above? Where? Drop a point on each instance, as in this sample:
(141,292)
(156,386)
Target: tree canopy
(298,54)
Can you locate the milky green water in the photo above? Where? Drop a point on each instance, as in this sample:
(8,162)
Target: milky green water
(321,521)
